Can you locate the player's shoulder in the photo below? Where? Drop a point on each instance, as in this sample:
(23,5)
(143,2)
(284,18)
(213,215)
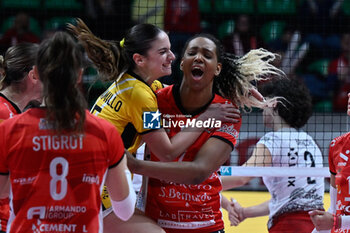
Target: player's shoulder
(219,99)
(141,91)
(17,120)
(340,140)
(156,85)
(166,91)
(270,136)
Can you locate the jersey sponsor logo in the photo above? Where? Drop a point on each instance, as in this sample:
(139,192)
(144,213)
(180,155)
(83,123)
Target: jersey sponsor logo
(44,124)
(206,187)
(341,164)
(229,129)
(185,215)
(151,120)
(91,179)
(54,212)
(185,225)
(24,180)
(174,194)
(304,142)
(187,219)
(333,142)
(53,227)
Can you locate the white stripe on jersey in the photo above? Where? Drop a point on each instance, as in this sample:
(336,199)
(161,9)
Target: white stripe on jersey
(118,93)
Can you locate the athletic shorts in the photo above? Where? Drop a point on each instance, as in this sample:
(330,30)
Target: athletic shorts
(295,222)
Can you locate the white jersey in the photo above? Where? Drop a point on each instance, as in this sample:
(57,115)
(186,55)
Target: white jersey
(292,148)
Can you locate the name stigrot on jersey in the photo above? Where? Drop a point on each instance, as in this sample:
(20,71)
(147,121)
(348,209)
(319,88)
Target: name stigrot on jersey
(58,142)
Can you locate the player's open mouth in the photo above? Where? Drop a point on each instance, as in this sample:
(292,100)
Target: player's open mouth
(197,72)
(167,66)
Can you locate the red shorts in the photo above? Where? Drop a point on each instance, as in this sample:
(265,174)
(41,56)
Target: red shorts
(296,222)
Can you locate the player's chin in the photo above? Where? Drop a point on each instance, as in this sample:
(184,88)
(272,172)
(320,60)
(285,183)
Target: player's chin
(166,74)
(166,70)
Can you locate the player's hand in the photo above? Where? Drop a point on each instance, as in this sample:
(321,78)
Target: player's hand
(222,112)
(256,94)
(238,209)
(131,161)
(232,214)
(321,219)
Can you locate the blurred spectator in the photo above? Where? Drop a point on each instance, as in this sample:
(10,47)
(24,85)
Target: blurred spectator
(181,20)
(108,19)
(319,22)
(339,70)
(243,39)
(291,50)
(20,32)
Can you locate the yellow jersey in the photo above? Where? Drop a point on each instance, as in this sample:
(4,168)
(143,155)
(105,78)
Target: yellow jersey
(123,104)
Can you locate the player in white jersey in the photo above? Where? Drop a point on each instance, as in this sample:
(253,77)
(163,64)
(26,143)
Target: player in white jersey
(287,146)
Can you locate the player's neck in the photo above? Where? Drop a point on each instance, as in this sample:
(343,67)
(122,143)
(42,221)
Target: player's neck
(194,100)
(17,98)
(279,124)
(145,77)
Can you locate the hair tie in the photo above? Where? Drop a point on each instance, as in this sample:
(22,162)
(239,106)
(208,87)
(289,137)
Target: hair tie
(121,43)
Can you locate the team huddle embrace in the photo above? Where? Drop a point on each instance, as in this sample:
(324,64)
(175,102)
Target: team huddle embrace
(64,168)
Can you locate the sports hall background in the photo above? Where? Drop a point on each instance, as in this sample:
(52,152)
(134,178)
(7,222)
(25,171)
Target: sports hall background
(312,37)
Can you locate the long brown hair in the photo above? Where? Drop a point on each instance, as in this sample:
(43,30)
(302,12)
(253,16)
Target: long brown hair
(59,62)
(113,58)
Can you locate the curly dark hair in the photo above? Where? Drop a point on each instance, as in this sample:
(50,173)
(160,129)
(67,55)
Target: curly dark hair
(295,106)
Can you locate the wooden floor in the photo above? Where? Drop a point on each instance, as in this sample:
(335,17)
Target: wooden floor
(248,198)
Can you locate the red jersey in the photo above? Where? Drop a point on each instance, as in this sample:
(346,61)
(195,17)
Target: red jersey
(56,180)
(8,109)
(339,153)
(180,207)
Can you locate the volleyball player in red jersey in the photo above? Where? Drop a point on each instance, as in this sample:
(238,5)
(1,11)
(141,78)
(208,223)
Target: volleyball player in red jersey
(337,218)
(58,156)
(184,195)
(18,86)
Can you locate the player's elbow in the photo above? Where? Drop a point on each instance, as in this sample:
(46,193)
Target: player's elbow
(125,209)
(166,158)
(165,155)
(244,181)
(199,176)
